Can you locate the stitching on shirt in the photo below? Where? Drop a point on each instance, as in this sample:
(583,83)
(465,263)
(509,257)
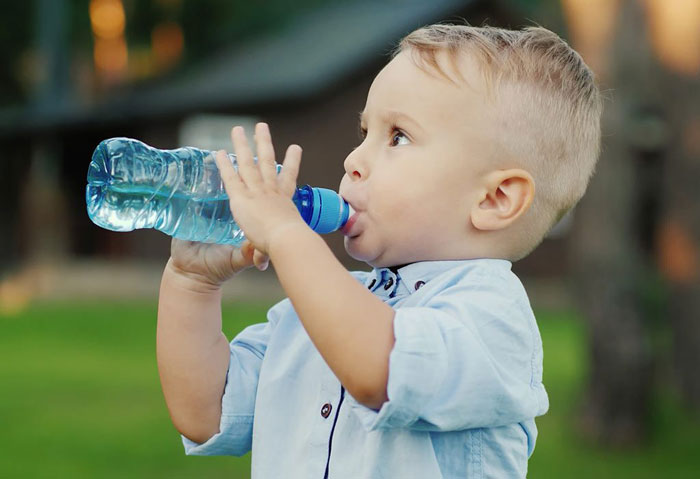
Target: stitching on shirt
(479,468)
(475,459)
(249,348)
(533,358)
(229,416)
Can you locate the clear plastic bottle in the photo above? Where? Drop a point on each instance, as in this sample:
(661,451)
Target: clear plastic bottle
(179,192)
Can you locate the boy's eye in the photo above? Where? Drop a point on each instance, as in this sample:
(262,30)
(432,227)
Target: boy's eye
(398,138)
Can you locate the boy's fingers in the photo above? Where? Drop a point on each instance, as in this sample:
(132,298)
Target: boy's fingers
(260,260)
(240,256)
(247,169)
(230,178)
(290,169)
(266,154)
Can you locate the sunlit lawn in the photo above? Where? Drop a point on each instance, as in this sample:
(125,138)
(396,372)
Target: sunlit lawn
(79,397)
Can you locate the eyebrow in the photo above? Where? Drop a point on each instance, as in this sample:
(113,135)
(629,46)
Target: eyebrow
(392,116)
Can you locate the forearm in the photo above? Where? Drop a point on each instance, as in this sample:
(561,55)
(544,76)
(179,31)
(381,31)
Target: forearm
(350,327)
(192,354)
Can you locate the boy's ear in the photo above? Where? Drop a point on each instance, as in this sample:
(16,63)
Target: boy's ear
(506,195)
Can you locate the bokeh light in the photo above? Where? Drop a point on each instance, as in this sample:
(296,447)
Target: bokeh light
(168,42)
(591,23)
(107,18)
(674,27)
(108,22)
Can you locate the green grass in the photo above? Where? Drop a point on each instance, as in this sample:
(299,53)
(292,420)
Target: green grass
(671,451)
(80,397)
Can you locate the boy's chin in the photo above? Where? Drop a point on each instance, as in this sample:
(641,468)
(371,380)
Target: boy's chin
(364,254)
(356,251)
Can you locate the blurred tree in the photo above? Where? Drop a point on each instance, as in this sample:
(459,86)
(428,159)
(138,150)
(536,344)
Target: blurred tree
(640,214)
(609,241)
(207,26)
(44,228)
(15,36)
(679,233)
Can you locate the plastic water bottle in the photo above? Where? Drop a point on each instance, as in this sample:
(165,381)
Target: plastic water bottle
(179,192)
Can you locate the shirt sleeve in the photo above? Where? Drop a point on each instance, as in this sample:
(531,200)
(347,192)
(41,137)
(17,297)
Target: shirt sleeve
(238,402)
(469,357)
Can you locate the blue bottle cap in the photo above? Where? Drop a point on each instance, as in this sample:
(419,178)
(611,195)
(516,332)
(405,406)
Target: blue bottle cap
(330,211)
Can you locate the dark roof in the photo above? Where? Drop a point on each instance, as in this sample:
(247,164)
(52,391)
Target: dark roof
(298,62)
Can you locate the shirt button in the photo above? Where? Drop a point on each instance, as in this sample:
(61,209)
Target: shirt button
(326,410)
(418,285)
(371,285)
(389,283)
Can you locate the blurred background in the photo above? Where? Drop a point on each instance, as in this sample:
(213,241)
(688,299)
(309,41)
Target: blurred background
(615,287)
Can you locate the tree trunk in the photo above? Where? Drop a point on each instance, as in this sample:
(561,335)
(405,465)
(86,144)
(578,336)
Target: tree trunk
(610,245)
(608,264)
(679,233)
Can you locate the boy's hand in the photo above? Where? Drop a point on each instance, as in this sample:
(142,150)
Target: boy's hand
(212,264)
(260,199)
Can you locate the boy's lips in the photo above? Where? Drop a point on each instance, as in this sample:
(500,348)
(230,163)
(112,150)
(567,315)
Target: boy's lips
(346,229)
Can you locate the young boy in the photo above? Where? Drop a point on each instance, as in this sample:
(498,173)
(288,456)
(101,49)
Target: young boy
(475,142)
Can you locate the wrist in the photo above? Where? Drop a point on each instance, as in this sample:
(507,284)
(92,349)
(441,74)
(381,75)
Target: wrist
(187,280)
(285,234)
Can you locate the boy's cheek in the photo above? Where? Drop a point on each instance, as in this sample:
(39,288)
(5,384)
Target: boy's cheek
(343,183)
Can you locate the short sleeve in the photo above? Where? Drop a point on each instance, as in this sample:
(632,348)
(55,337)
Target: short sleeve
(238,402)
(470,357)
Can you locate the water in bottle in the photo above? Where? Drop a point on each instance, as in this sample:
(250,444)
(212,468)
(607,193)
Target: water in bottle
(180,192)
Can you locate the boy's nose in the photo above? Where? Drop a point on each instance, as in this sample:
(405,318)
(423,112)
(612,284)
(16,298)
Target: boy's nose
(354,167)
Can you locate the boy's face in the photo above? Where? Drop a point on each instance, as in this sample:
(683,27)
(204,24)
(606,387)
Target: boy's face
(415,176)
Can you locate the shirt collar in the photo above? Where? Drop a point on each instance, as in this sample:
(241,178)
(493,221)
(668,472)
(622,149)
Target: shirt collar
(411,277)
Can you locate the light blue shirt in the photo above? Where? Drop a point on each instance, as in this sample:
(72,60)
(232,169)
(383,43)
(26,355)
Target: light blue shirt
(465,384)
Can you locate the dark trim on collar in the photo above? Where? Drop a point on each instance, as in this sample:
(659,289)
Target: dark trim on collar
(411,274)
(395,269)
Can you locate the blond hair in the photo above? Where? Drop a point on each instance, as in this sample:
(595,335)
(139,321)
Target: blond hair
(549,108)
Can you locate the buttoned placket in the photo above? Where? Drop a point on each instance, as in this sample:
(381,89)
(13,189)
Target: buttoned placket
(385,283)
(327,408)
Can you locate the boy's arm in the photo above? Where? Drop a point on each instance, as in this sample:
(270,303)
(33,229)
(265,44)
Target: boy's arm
(192,353)
(350,327)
